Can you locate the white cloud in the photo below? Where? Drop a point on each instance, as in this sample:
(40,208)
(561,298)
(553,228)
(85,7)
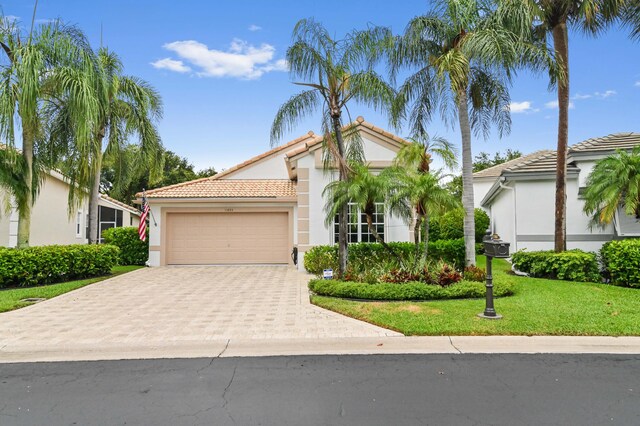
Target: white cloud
(605,94)
(637,83)
(521,107)
(254,27)
(241,60)
(171,65)
(554,105)
(580,97)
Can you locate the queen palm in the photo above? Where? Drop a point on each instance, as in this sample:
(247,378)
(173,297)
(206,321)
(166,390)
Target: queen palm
(614,182)
(334,73)
(128,106)
(591,16)
(52,60)
(465,52)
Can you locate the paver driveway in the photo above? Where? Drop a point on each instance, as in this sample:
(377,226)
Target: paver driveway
(173,304)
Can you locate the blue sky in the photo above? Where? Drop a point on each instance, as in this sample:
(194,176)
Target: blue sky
(218,66)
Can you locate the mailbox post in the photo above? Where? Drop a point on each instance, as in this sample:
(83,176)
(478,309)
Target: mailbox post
(493,247)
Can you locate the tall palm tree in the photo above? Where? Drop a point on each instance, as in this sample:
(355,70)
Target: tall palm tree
(465,52)
(412,162)
(614,182)
(591,16)
(334,73)
(128,106)
(54,59)
(363,190)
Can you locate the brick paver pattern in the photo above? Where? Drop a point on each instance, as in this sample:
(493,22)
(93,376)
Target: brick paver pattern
(174,304)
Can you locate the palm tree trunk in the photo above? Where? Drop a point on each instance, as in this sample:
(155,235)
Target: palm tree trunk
(561,46)
(467,180)
(343,216)
(24,208)
(94,198)
(426,237)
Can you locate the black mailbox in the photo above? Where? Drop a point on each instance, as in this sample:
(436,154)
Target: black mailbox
(494,246)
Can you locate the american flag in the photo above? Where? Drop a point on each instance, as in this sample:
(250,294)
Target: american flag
(142,228)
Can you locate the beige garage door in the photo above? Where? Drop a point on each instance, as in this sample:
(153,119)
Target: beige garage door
(227,238)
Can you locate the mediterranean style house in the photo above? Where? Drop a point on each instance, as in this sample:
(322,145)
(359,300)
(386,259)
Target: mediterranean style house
(519,197)
(51,221)
(266,210)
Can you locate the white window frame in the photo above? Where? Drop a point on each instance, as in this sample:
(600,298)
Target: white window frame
(360,223)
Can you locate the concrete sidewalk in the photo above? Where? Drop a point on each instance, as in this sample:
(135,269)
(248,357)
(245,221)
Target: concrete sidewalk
(325,346)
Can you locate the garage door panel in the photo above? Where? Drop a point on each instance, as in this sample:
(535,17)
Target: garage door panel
(231,238)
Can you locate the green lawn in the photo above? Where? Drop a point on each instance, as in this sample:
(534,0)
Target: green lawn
(539,307)
(10,299)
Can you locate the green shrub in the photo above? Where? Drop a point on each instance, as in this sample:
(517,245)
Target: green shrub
(49,264)
(571,265)
(621,262)
(473,273)
(450,225)
(408,291)
(133,251)
(370,255)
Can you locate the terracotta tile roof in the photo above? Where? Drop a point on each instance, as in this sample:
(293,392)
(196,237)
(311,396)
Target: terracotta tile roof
(607,143)
(227,188)
(257,158)
(121,204)
(360,122)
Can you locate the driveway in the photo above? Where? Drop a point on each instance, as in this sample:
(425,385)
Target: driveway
(181,304)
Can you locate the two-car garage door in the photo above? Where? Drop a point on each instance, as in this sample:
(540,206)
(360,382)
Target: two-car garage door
(227,238)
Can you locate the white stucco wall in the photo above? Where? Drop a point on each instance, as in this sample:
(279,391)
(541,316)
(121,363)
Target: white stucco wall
(502,218)
(4,222)
(51,222)
(271,168)
(480,189)
(535,217)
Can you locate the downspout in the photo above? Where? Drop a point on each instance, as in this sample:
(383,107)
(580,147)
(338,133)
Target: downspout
(515,220)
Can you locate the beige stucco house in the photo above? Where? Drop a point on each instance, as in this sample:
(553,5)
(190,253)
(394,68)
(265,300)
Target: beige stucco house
(519,197)
(259,211)
(53,223)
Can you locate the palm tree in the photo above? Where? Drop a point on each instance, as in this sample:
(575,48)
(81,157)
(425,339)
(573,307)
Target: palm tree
(334,73)
(465,52)
(54,59)
(555,16)
(414,161)
(363,190)
(426,195)
(614,182)
(128,106)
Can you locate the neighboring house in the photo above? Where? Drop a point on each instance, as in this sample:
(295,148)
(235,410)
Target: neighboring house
(51,221)
(259,211)
(115,214)
(519,197)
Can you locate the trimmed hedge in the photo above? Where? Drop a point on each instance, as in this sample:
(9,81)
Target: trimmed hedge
(621,262)
(51,264)
(571,265)
(449,226)
(371,254)
(408,291)
(133,251)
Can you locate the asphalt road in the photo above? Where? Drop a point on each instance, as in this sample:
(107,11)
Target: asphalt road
(327,390)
